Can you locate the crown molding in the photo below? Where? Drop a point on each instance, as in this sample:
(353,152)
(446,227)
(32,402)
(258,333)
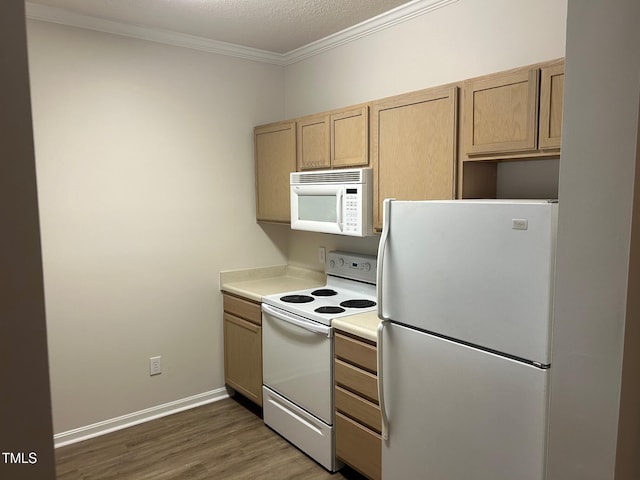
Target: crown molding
(385,20)
(66,17)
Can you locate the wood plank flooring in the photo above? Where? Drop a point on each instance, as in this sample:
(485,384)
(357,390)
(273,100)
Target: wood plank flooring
(222,440)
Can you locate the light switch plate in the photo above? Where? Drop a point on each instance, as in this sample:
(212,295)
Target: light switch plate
(155,365)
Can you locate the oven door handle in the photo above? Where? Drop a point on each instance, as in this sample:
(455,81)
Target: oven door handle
(297,321)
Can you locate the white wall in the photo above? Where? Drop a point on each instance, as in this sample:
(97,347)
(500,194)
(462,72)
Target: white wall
(593,309)
(459,41)
(145,180)
(528,179)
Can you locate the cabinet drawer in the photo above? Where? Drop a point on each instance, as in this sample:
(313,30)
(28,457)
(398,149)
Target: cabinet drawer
(356,407)
(356,380)
(356,351)
(358,447)
(243,308)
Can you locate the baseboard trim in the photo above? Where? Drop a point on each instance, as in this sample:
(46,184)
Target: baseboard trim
(118,423)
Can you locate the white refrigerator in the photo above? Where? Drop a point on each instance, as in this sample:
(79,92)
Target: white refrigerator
(465,295)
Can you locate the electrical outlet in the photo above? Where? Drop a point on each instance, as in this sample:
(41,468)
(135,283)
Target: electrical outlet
(155,365)
(321,254)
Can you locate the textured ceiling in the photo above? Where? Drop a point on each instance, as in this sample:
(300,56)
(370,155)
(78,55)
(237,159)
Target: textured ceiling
(279,26)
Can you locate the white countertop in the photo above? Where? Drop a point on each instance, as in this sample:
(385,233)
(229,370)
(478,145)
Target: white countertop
(254,283)
(363,325)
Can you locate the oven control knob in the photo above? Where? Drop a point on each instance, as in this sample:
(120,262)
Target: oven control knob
(341,262)
(367,267)
(332,263)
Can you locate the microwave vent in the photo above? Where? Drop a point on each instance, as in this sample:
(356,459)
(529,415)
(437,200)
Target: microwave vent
(329,176)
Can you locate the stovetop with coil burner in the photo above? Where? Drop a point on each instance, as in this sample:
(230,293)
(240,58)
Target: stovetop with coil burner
(350,289)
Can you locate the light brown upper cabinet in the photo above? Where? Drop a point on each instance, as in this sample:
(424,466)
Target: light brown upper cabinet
(413,147)
(275,159)
(551,94)
(513,114)
(335,139)
(350,137)
(314,142)
(508,116)
(501,113)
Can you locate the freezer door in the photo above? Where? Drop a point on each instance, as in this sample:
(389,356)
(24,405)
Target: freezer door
(481,272)
(458,413)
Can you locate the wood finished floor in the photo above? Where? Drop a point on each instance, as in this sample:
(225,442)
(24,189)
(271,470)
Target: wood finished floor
(222,440)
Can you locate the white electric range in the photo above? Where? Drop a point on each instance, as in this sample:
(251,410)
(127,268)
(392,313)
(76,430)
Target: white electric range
(297,352)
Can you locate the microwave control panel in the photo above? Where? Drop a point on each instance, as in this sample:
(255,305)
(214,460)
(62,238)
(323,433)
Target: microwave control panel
(351,211)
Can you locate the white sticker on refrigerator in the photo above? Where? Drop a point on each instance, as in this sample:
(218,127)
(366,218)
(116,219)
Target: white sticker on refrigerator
(519,223)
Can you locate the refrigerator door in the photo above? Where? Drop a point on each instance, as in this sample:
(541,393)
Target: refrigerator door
(456,412)
(478,271)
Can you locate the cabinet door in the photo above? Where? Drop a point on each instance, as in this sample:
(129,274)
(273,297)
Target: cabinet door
(413,147)
(243,357)
(314,142)
(350,137)
(501,113)
(275,157)
(551,94)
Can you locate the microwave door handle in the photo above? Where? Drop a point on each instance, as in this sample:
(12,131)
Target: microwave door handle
(339,207)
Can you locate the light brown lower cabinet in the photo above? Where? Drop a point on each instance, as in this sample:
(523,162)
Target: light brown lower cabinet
(357,416)
(358,447)
(357,380)
(242,321)
(358,408)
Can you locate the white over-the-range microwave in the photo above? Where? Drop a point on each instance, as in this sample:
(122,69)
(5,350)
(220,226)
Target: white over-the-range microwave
(333,201)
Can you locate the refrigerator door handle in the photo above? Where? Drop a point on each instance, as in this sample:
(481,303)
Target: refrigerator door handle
(383,411)
(382,247)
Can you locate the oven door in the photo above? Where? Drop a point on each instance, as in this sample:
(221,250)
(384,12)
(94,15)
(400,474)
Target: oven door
(297,358)
(318,208)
